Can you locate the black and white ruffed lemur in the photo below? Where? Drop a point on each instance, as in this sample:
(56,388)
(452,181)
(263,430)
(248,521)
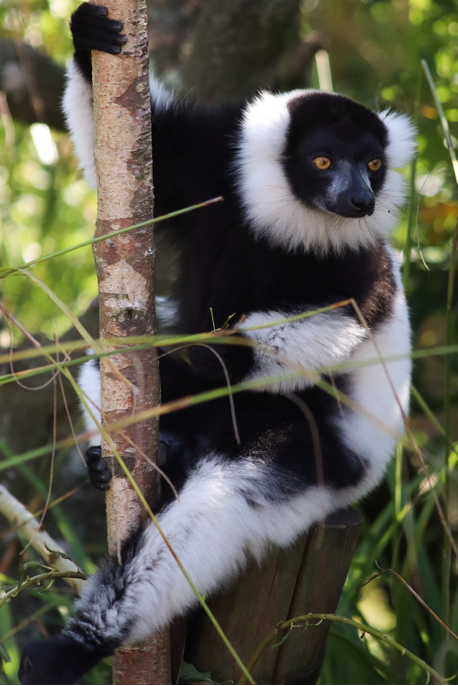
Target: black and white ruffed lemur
(310,197)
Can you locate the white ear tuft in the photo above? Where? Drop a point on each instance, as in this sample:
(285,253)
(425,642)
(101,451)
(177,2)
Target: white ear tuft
(402,146)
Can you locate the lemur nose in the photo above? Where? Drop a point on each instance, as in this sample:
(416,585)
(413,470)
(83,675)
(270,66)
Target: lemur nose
(365,204)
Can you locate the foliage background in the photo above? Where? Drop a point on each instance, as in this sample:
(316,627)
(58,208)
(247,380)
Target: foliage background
(375,49)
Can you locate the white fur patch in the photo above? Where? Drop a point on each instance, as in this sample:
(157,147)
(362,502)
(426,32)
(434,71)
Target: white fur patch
(401,138)
(270,205)
(89,376)
(160,96)
(89,381)
(77,105)
(211,528)
(322,340)
(166,314)
(371,387)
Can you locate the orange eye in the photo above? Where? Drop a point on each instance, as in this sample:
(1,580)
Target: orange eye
(322,162)
(374,165)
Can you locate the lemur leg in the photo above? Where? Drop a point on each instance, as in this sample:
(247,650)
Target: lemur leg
(235,502)
(226,510)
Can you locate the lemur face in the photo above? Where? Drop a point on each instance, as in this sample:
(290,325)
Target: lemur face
(316,171)
(335,154)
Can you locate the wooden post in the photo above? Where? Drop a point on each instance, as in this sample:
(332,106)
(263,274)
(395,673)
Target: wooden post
(125,275)
(307,577)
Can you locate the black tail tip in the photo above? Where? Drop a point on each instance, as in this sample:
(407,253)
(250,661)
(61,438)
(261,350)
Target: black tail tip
(55,661)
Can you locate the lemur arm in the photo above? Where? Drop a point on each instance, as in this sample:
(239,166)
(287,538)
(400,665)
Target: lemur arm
(267,348)
(310,343)
(92,30)
(180,130)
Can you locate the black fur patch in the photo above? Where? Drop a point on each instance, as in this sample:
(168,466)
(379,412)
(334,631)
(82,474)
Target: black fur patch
(58,660)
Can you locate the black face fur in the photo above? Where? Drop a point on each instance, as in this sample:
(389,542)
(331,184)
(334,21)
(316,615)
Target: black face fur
(350,136)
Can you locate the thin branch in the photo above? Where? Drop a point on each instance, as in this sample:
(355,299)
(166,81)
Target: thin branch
(73,578)
(41,541)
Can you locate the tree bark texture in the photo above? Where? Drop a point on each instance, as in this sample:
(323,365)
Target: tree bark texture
(33,84)
(215,50)
(235,43)
(125,276)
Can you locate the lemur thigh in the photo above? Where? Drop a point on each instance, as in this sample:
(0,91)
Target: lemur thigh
(225,511)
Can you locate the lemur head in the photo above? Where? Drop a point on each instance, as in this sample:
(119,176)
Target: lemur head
(334,156)
(316,170)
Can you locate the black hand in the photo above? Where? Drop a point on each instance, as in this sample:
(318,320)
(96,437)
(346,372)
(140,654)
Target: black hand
(92,30)
(99,475)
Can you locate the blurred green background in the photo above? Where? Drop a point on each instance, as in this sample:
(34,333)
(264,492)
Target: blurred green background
(375,51)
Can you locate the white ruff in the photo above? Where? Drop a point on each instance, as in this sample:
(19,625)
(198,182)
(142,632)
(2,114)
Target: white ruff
(272,209)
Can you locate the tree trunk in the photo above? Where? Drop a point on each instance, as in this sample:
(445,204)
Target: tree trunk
(236,42)
(33,84)
(125,275)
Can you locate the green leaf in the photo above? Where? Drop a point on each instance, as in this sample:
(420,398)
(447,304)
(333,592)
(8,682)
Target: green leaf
(189,673)
(4,655)
(59,553)
(33,564)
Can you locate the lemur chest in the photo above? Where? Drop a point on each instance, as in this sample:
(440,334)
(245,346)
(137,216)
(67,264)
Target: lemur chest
(255,277)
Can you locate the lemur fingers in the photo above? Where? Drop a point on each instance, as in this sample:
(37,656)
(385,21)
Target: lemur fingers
(92,30)
(97,468)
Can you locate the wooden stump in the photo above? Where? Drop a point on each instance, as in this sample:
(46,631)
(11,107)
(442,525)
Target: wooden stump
(307,577)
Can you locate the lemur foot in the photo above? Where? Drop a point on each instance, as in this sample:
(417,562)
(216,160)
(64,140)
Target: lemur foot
(92,30)
(97,468)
